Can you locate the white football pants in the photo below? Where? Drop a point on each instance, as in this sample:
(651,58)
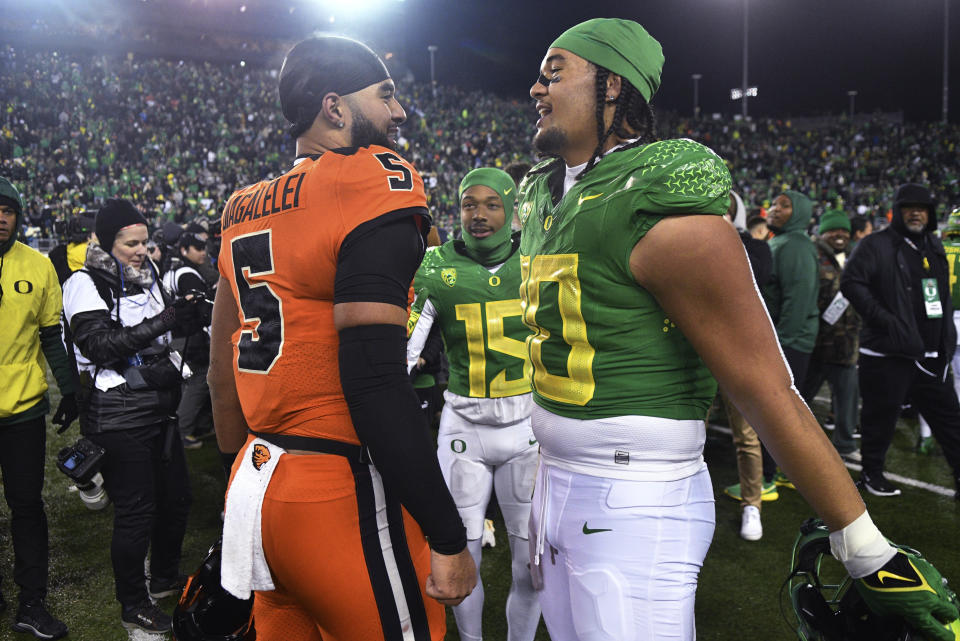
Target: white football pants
(475,460)
(620,559)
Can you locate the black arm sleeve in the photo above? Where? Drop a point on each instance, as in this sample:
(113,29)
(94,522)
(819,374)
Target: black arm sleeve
(52,345)
(102,341)
(378,259)
(388,420)
(376,264)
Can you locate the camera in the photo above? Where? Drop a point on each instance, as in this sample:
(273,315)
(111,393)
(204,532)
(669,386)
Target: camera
(81,462)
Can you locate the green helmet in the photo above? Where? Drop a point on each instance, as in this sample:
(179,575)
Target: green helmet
(952,229)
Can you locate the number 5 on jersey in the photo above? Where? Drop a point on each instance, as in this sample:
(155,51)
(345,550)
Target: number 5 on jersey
(261,332)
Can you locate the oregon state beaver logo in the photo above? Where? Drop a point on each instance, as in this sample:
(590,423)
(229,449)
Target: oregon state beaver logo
(260,455)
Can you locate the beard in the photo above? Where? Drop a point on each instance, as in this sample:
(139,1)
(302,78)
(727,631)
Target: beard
(915,228)
(550,141)
(364,133)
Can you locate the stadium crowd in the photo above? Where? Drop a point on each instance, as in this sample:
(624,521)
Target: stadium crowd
(178,137)
(174,139)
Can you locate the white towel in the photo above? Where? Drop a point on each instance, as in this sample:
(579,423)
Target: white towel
(244,566)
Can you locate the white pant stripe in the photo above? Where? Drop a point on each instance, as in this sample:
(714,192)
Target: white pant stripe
(389,560)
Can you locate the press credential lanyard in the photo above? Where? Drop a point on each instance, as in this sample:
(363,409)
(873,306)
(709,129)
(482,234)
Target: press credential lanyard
(931,291)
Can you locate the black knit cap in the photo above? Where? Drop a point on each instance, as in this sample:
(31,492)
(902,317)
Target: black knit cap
(114,216)
(320,65)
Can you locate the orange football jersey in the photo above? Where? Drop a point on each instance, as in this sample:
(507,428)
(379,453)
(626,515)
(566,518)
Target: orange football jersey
(281,241)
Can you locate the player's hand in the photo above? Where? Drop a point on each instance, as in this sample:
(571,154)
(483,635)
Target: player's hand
(67,412)
(452,577)
(908,586)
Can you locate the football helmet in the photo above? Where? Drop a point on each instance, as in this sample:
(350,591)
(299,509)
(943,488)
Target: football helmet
(207,612)
(825,603)
(952,229)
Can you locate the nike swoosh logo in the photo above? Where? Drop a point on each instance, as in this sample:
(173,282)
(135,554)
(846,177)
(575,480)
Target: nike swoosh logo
(583,198)
(507,191)
(532,441)
(883,574)
(588,530)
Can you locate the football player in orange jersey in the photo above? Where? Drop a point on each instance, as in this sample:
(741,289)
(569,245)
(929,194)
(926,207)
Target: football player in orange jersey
(308,377)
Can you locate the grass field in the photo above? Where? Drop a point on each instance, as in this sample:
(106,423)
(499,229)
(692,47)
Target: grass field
(739,585)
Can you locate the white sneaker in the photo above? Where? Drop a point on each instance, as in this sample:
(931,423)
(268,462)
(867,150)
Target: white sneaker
(488,540)
(852,457)
(750,527)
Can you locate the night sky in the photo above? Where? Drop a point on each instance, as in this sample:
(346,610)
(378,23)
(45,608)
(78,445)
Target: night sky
(804,55)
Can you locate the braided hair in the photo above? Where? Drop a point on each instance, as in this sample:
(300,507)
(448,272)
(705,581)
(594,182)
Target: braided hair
(632,107)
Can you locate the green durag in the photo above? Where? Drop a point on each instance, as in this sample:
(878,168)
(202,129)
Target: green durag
(622,46)
(495,248)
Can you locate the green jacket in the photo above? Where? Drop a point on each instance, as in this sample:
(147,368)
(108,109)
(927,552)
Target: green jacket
(791,292)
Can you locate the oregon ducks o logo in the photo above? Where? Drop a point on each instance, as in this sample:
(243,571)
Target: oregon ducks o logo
(548,223)
(23,287)
(494,281)
(458,445)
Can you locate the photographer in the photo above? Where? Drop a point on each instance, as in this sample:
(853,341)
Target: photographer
(184,278)
(121,323)
(68,257)
(30,317)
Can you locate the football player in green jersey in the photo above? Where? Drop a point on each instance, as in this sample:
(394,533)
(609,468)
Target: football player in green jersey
(470,289)
(636,290)
(951,244)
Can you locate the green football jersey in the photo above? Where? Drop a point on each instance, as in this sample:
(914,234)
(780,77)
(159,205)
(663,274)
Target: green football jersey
(952,247)
(601,345)
(480,320)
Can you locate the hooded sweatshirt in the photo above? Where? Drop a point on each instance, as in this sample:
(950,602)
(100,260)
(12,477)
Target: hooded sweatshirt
(791,292)
(30,315)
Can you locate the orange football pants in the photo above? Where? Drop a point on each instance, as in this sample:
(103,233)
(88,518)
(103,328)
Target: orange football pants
(347,561)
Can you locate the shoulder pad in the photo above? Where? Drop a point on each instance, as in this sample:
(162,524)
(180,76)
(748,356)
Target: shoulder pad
(681,177)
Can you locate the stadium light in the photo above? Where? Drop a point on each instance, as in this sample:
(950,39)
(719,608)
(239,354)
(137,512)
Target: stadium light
(946,58)
(355,7)
(696,94)
(737,93)
(744,87)
(433,77)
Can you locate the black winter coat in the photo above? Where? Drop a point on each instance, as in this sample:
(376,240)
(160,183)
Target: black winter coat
(878,283)
(107,344)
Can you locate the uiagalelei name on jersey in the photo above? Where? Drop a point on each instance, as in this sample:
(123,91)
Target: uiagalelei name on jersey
(479,315)
(601,345)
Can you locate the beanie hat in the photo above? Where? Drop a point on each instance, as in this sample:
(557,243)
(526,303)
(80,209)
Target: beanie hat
(10,197)
(171,233)
(833,219)
(622,46)
(114,216)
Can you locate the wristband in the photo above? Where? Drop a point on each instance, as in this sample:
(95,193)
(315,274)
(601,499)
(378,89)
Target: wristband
(861,547)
